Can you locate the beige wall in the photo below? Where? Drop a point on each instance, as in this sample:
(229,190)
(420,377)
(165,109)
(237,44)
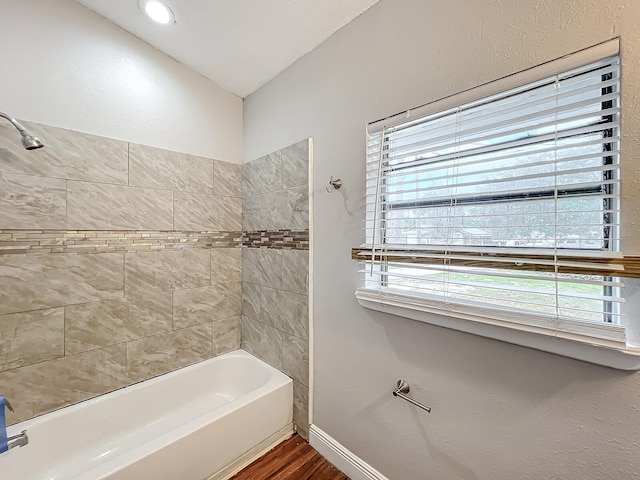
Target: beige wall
(499,411)
(275,287)
(65,65)
(118,262)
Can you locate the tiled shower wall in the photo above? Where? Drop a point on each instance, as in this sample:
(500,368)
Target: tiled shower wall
(275,299)
(118,262)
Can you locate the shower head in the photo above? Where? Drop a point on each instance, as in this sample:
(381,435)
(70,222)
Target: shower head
(29,141)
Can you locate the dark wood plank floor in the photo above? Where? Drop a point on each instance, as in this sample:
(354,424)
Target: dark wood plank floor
(293,459)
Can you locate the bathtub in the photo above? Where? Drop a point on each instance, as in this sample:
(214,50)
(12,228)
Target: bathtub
(205,421)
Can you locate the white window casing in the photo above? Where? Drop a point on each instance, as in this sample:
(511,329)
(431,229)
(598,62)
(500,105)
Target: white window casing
(496,211)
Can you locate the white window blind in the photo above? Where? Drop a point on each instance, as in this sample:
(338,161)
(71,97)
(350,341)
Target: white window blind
(505,208)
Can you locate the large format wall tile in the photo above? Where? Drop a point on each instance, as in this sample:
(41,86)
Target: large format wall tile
(263,341)
(157,168)
(31,282)
(201,305)
(31,337)
(295,164)
(66,155)
(275,190)
(194,211)
(46,386)
(274,213)
(252,213)
(262,266)
(251,300)
(262,175)
(282,209)
(296,207)
(92,206)
(295,271)
(98,324)
(227,335)
(285,311)
(295,358)
(32,202)
(151,356)
(155,272)
(227,179)
(301,409)
(226,265)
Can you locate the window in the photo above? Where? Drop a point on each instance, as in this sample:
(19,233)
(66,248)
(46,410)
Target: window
(503,208)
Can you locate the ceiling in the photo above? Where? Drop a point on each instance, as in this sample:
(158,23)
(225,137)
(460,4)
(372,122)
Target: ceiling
(238,44)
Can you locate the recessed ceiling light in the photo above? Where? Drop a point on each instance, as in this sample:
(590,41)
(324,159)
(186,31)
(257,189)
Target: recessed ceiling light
(157,11)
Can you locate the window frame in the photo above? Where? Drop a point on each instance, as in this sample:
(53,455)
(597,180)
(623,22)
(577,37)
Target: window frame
(409,307)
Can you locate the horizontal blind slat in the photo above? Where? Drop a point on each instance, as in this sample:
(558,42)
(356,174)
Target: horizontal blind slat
(455,140)
(446,165)
(429,153)
(459,122)
(487,172)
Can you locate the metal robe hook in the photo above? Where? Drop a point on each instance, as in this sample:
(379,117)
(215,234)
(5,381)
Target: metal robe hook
(334,185)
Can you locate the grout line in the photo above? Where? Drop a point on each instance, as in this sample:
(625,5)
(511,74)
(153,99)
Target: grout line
(213,335)
(213,177)
(126,361)
(173,318)
(124,275)
(64,331)
(128,163)
(66,204)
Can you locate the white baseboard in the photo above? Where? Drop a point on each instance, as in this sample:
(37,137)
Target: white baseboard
(343,459)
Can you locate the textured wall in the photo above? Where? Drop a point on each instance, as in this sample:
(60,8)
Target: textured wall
(499,411)
(74,69)
(118,262)
(275,298)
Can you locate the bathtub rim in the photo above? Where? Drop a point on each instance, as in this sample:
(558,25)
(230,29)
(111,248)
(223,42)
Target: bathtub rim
(274,380)
(83,404)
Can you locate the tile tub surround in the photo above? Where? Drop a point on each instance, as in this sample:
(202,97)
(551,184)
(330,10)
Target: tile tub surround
(275,297)
(35,242)
(275,321)
(275,190)
(118,262)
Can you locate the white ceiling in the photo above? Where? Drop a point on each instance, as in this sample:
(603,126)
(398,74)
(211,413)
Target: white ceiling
(238,44)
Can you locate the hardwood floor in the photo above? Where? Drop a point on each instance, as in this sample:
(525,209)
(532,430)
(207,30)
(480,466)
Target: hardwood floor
(293,459)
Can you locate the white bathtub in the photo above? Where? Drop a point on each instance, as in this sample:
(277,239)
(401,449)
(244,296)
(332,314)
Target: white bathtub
(203,421)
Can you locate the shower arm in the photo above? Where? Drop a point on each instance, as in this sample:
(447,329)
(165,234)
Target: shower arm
(29,141)
(23,131)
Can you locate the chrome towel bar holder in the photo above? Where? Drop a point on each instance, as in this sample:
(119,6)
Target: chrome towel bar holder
(401,390)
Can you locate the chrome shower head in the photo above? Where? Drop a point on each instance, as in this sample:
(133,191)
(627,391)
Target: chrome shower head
(29,141)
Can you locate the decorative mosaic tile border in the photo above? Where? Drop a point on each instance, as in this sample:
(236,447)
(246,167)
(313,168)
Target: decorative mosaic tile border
(107,241)
(280,239)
